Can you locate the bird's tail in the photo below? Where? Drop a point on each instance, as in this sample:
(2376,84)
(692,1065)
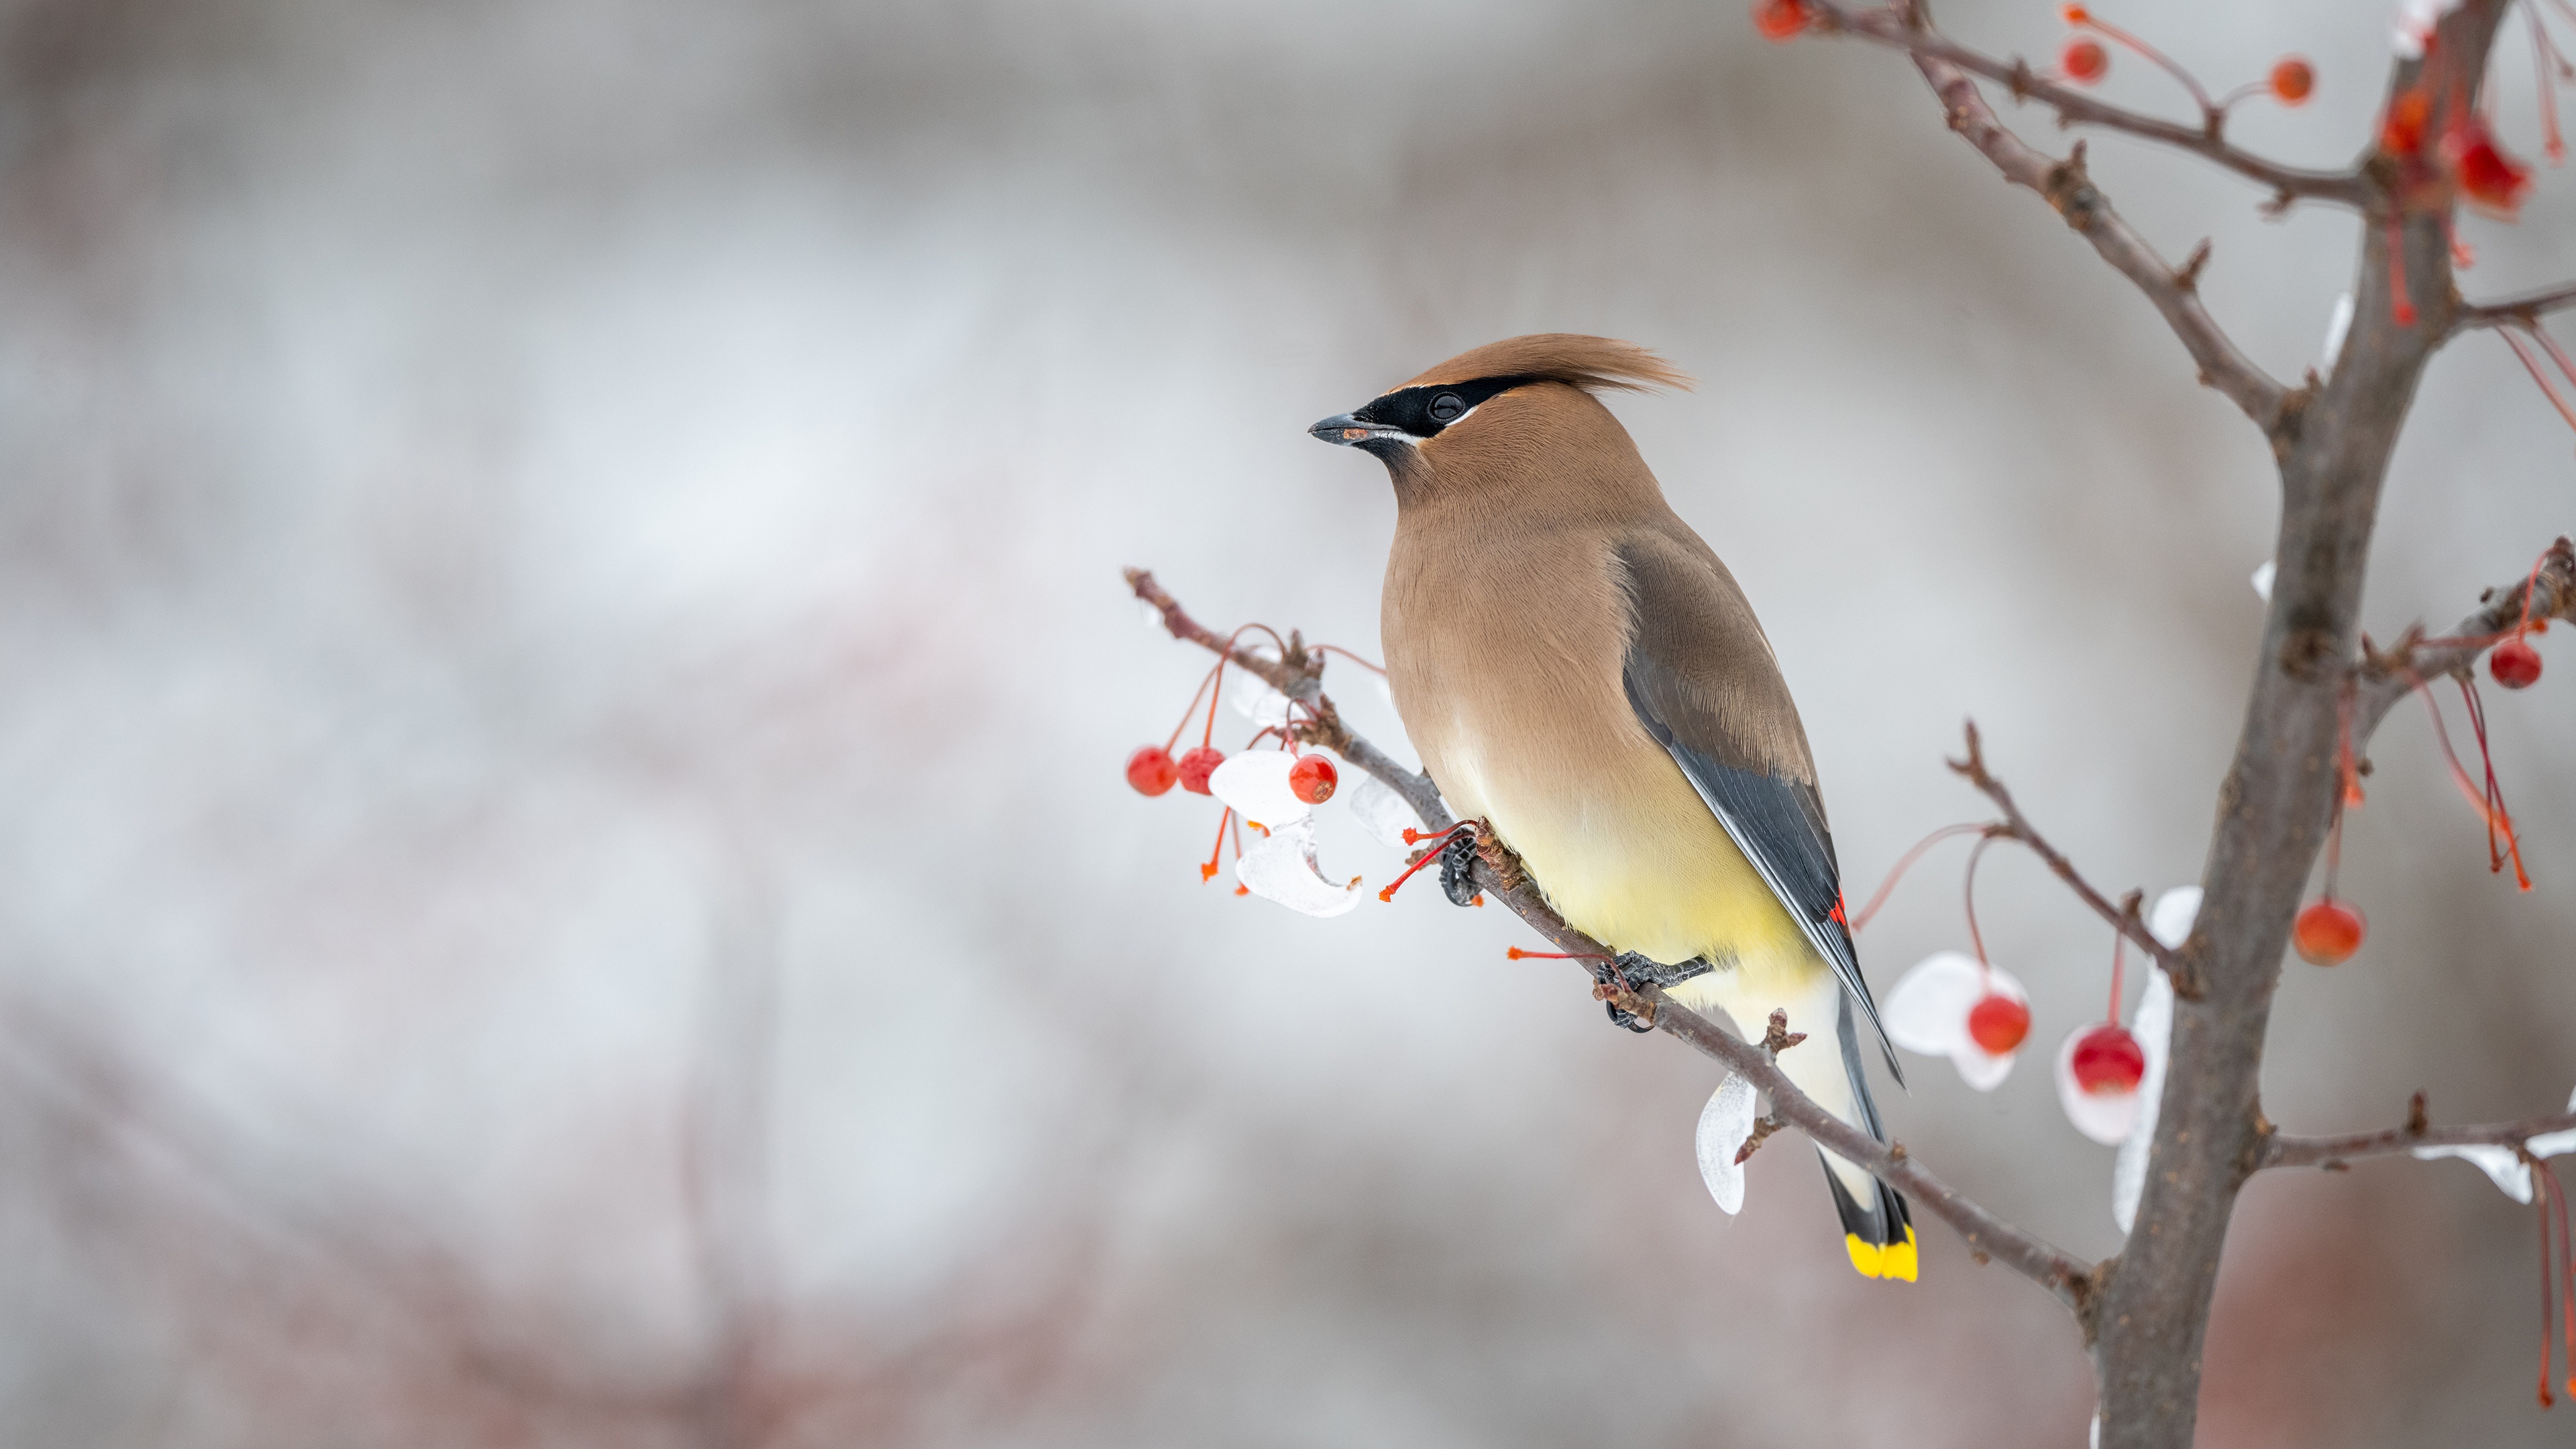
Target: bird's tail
(1877,1230)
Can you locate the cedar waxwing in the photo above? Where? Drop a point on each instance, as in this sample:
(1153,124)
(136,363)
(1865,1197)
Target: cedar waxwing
(1581,673)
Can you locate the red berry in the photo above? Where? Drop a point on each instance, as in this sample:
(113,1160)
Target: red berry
(1313,779)
(2084,61)
(1151,770)
(2108,1060)
(1780,19)
(2328,932)
(2515,664)
(1195,767)
(1998,1023)
(2292,80)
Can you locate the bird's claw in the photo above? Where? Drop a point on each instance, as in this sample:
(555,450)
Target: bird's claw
(1458,868)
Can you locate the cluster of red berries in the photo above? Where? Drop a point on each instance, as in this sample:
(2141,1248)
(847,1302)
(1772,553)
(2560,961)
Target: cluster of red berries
(1152,770)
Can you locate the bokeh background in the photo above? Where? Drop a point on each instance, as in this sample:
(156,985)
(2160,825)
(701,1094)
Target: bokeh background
(564,877)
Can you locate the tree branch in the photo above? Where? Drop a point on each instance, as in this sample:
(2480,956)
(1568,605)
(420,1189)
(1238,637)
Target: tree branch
(2124,917)
(1914,35)
(2337,1150)
(2385,677)
(2066,186)
(2071,1280)
(2523,311)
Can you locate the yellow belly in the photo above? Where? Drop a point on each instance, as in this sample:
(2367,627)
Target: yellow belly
(1631,856)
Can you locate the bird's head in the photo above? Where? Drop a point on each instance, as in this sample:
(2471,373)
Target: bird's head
(1509,399)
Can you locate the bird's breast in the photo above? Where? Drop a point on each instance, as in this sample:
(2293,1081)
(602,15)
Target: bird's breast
(1529,728)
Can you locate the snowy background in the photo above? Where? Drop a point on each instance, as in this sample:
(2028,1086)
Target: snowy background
(565,879)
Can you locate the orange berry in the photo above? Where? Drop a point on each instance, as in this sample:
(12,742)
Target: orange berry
(1313,779)
(1780,19)
(2084,61)
(1151,770)
(2328,932)
(2292,79)
(1998,1023)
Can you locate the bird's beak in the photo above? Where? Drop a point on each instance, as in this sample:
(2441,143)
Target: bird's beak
(1350,432)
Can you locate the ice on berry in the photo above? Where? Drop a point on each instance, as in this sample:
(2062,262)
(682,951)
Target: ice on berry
(1255,700)
(1724,1124)
(1380,811)
(1927,1012)
(1255,783)
(1282,868)
(2106,1117)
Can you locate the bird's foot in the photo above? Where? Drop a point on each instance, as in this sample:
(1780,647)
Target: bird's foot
(1614,985)
(1458,865)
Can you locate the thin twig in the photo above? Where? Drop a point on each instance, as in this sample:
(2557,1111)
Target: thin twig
(2385,675)
(2066,186)
(2124,917)
(2523,311)
(2075,108)
(2069,1279)
(2325,1151)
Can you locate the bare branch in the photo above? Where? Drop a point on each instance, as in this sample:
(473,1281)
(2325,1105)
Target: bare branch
(2075,108)
(2523,311)
(2385,676)
(2070,1279)
(2124,917)
(2335,1151)
(2066,186)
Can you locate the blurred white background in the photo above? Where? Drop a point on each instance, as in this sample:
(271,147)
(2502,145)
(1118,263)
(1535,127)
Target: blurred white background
(565,878)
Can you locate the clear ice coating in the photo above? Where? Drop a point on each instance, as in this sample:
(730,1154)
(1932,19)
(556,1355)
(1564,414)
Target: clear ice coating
(1282,868)
(2106,1117)
(1927,1011)
(2153,1027)
(1255,700)
(1255,783)
(1723,1125)
(1379,810)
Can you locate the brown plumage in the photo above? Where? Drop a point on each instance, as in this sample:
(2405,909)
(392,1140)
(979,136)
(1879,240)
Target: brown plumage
(1580,671)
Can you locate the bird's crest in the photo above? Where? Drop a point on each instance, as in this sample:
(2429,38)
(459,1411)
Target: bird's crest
(1590,363)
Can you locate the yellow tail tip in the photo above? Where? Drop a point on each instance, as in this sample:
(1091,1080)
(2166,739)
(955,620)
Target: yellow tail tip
(1894,1260)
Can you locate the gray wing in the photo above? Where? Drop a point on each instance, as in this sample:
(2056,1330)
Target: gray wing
(1700,676)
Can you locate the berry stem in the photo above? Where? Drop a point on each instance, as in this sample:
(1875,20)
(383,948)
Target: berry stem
(1515,953)
(2541,1169)
(2548,1280)
(1428,856)
(1216,852)
(2493,813)
(2119,959)
(2080,16)
(1192,712)
(2400,306)
(1905,863)
(2543,53)
(1379,669)
(1976,939)
(2532,366)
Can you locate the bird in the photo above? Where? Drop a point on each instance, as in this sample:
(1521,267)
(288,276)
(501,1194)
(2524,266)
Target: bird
(1584,678)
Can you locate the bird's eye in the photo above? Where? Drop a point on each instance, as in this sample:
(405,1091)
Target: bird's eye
(1448,408)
